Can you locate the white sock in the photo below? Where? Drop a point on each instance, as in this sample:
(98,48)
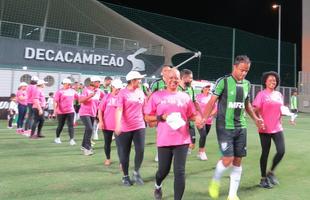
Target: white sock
(220,169)
(157,187)
(235,177)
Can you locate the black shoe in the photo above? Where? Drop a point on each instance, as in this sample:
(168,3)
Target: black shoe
(264,183)
(126,181)
(137,178)
(272,178)
(41,136)
(158,194)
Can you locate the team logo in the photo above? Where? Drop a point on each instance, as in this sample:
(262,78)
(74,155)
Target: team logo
(224,146)
(137,64)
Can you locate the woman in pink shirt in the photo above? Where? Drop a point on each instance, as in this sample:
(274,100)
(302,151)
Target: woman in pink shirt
(38,106)
(130,125)
(172,110)
(106,116)
(63,107)
(89,100)
(22,106)
(267,104)
(202,99)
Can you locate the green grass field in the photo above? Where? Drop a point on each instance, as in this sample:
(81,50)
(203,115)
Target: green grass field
(40,169)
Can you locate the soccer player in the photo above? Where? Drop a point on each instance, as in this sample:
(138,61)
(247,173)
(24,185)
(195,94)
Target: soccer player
(267,104)
(172,142)
(186,86)
(232,94)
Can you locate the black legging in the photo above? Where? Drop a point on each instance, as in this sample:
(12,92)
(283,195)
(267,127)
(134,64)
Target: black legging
(265,140)
(61,122)
(38,120)
(125,139)
(192,132)
(22,110)
(165,156)
(203,135)
(107,134)
(88,122)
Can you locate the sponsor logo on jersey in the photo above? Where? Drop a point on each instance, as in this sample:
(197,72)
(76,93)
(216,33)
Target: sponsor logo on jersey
(239,105)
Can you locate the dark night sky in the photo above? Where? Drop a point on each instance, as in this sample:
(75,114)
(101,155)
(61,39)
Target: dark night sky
(254,16)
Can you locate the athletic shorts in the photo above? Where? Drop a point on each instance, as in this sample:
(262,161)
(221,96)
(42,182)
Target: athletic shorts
(232,142)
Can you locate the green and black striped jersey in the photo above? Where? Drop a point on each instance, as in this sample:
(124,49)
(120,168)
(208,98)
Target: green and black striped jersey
(232,96)
(189,90)
(158,85)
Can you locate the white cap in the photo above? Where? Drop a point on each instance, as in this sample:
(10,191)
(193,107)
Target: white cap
(34,78)
(118,84)
(95,78)
(207,84)
(134,75)
(66,81)
(41,82)
(22,84)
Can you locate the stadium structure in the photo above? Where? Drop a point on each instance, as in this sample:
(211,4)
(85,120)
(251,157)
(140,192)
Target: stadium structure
(56,39)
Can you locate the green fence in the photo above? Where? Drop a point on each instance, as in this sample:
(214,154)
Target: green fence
(218,45)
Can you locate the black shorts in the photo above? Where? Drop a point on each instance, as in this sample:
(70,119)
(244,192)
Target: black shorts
(232,142)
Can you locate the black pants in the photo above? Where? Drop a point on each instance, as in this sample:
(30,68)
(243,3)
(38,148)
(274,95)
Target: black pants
(61,122)
(30,117)
(38,121)
(107,135)
(22,110)
(88,122)
(203,135)
(192,132)
(125,139)
(265,140)
(165,156)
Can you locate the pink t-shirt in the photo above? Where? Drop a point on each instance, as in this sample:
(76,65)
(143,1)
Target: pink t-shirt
(269,105)
(90,107)
(39,95)
(65,99)
(22,93)
(132,103)
(108,107)
(30,93)
(164,102)
(202,101)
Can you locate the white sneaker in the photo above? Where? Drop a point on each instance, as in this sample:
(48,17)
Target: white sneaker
(189,151)
(57,140)
(88,152)
(72,142)
(202,156)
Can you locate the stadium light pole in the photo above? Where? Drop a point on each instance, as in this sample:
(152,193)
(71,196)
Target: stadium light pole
(278,6)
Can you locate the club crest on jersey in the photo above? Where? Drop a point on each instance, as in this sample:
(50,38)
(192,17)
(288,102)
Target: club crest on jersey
(239,105)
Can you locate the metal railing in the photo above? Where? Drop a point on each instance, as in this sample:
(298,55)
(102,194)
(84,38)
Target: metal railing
(68,37)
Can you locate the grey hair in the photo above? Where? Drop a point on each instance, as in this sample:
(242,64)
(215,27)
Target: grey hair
(242,59)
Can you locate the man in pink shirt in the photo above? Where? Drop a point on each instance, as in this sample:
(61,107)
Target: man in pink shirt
(30,90)
(89,100)
(63,106)
(130,125)
(22,106)
(106,115)
(38,106)
(172,110)
(267,104)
